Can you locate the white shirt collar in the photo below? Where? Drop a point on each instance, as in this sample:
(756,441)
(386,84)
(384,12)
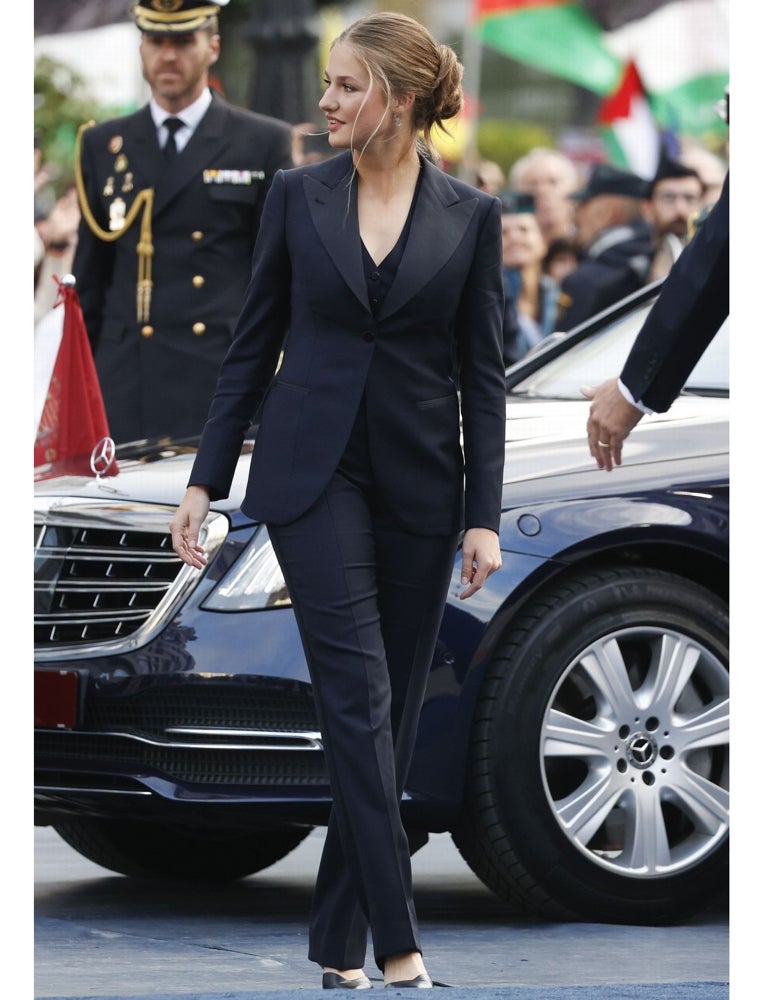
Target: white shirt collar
(191,115)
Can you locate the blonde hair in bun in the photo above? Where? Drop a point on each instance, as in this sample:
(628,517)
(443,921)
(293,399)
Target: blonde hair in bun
(402,55)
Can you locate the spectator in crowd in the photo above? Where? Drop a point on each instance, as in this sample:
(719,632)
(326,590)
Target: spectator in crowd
(489,177)
(44,202)
(56,240)
(675,199)
(561,258)
(551,177)
(171,198)
(533,292)
(614,243)
(711,169)
(44,193)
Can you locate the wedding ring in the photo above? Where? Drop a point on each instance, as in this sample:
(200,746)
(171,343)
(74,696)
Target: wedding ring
(602,444)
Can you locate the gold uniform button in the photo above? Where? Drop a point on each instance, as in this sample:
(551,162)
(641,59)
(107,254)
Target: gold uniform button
(199,328)
(147,331)
(198,281)
(196,236)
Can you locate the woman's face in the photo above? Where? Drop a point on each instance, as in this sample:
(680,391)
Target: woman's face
(521,240)
(354,108)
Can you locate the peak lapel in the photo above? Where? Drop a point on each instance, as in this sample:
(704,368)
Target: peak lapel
(440,220)
(142,145)
(332,205)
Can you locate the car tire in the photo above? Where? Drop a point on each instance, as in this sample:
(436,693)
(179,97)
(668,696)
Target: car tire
(143,849)
(591,794)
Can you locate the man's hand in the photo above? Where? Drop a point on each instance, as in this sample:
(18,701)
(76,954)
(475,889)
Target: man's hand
(481,556)
(611,419)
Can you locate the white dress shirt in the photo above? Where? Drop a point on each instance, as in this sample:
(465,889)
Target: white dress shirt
(191,117)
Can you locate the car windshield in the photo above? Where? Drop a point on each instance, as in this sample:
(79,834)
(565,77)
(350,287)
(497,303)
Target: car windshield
(601,355)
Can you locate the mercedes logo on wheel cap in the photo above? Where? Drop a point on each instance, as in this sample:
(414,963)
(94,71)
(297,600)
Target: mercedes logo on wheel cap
(641,750)
(102,457)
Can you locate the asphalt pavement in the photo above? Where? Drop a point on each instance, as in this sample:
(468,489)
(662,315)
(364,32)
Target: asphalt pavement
(684,991)
(99,936)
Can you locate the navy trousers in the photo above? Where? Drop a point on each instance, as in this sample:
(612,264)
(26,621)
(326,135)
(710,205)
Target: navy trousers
(368,598)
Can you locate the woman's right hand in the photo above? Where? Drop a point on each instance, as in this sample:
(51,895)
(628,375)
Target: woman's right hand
(186,524)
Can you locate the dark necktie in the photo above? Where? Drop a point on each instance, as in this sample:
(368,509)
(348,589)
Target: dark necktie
(170,146)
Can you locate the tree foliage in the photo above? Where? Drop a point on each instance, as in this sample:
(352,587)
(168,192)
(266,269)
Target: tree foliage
(505,141)
(62,101)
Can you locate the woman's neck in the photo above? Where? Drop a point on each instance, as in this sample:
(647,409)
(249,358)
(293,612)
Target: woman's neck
(383,173)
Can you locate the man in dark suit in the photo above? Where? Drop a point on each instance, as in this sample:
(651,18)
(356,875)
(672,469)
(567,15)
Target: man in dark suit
(170,214)
(614,242)
(691,308)
(674,200)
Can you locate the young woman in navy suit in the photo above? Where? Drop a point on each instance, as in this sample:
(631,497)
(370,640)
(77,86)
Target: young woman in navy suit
(385,273)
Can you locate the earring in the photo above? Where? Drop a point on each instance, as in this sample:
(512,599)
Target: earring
(397,120)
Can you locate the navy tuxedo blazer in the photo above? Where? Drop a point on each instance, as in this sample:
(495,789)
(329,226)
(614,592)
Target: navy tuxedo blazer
(439,330)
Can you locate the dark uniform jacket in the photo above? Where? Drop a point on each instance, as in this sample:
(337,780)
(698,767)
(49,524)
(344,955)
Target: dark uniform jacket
(691,308)
(615,265)
(158,375)
(439,325)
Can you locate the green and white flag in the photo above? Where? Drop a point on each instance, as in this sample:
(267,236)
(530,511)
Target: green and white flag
(678,50)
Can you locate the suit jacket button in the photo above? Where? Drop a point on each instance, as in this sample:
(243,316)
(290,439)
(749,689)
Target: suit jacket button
(369,336)
(196,236)
(199,328)
(147,331)
(198,281)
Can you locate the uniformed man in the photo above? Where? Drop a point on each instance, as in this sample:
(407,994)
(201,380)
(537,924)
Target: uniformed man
(171,199)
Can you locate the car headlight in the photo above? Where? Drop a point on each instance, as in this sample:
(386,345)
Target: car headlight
(253,582)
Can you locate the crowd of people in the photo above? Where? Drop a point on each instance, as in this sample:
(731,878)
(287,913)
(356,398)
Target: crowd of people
(571,247)
(575,239)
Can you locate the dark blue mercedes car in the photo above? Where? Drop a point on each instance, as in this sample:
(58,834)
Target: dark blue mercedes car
(574,736)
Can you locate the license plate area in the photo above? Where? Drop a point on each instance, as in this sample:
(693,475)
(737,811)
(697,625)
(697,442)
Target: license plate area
(56,699)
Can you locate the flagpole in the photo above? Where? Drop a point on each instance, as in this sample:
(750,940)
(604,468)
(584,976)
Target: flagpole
(472,60)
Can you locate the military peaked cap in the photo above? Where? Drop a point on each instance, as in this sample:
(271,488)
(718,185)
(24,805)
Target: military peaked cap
(608,179)
(174,17)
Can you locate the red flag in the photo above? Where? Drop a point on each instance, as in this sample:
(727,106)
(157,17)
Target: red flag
(73,417)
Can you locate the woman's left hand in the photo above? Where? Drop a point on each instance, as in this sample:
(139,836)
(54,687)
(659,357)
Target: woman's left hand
(481,556)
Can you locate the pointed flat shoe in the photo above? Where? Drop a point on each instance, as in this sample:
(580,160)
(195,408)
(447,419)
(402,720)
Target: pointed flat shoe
(334,981)
(421,982)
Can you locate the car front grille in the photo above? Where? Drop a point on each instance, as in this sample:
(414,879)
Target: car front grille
(97,584)
(105,574)
(73,753)
(277,706)
(201,732)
